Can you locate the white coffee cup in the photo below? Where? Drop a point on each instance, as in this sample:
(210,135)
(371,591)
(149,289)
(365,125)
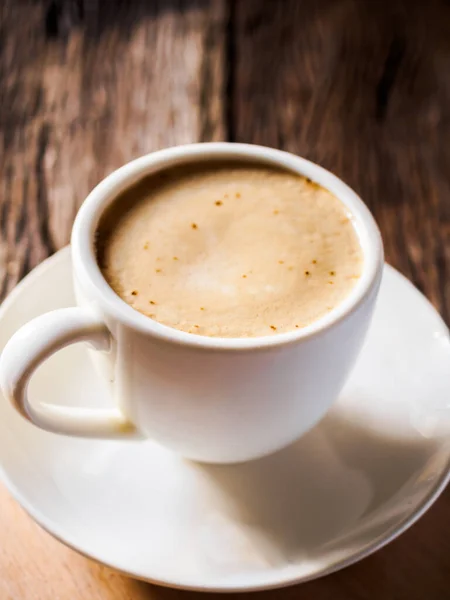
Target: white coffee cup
(209,399)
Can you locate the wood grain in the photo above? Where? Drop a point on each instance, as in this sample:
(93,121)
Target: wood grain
(86,87)
(361,87)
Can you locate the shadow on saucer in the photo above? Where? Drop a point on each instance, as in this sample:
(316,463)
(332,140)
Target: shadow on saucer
(311,494)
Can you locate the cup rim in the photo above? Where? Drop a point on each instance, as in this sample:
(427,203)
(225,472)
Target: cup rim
(90,277)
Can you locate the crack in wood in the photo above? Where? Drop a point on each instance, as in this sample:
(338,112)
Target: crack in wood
(61,16)
(52,18)
(41,193)
(25,264)
(231,57)
(387,80)
(22,218)
(206,80)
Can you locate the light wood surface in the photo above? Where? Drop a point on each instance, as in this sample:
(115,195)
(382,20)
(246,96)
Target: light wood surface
(360,86)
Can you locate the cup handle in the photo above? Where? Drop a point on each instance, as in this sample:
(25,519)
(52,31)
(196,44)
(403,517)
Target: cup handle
(32,345)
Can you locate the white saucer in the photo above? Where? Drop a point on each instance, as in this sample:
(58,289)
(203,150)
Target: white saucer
(360,478)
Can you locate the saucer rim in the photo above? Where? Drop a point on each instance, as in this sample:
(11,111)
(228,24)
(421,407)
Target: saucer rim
(376,544)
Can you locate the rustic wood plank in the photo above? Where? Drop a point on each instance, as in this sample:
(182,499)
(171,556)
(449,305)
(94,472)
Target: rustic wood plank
(362,88)
(85,87)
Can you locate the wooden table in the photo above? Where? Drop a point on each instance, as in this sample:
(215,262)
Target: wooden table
(360,86)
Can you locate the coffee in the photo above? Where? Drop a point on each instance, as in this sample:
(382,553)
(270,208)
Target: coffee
(229,249)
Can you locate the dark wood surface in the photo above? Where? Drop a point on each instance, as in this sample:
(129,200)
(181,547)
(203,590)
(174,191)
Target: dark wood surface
(359,86)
